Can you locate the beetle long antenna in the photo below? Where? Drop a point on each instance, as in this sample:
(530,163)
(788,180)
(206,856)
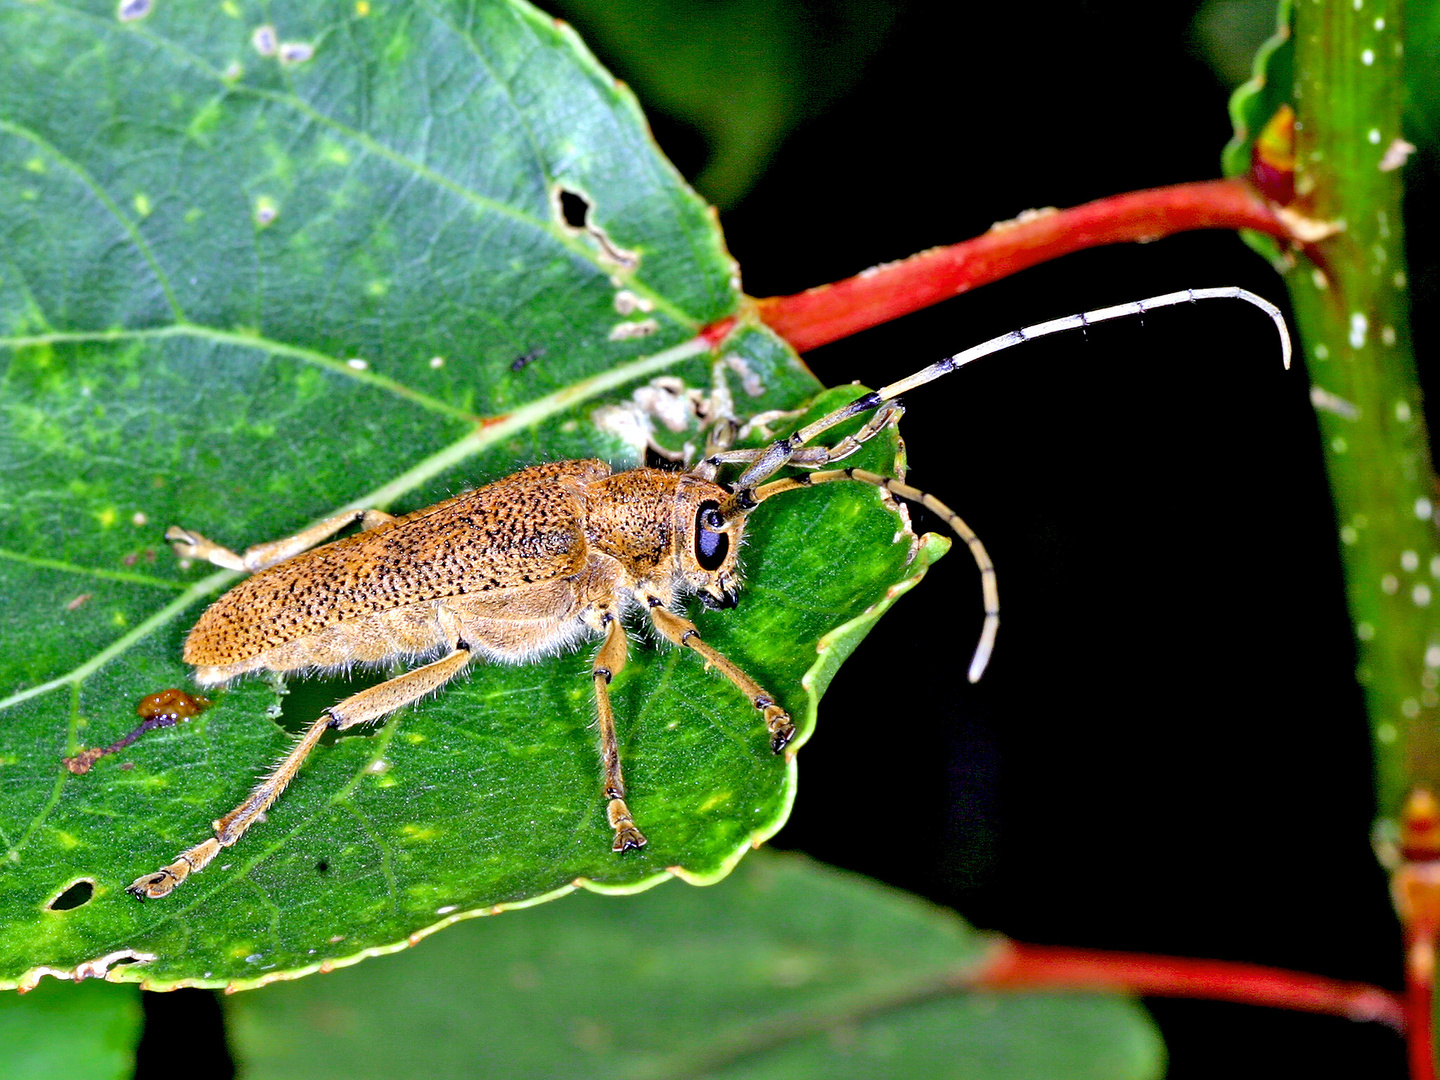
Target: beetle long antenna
(935,506)
(779,453)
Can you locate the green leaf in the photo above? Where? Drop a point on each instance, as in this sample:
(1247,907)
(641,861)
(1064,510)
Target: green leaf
(1254,102)
(1271,86)
(787,969)
(85,1032)
(240,289)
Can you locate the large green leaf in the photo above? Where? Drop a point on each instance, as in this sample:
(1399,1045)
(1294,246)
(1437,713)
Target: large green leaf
(786,970)
(243,286)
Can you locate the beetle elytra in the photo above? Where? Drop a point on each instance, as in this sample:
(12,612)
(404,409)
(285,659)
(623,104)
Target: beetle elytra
(531,563)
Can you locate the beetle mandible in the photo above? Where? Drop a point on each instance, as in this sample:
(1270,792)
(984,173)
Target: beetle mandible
(529,564)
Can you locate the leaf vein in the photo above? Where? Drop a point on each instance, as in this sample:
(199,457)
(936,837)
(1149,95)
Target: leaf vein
(89,571)
(131,229)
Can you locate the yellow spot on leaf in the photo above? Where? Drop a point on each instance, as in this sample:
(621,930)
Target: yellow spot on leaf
(107,517)
(35,165)
(142,205)
(420,832)
(414,737)
(229,7)
(362,8)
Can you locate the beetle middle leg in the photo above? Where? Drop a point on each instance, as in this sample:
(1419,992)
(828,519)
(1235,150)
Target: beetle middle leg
(366,707)
(608,662)
(683,633)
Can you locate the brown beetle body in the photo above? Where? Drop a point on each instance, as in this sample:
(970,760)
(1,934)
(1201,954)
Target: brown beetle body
(509,572)
(521,565)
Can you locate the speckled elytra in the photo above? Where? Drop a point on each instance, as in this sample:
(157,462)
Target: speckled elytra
(517,569)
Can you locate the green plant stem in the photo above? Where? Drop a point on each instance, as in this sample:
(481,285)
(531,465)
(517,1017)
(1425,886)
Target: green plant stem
(1352,310)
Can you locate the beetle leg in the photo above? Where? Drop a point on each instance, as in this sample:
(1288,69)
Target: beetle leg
(191,545)
(682,632)
(608,662)
(362,708)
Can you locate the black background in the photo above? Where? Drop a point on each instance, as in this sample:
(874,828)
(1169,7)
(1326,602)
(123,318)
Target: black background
(1169,752)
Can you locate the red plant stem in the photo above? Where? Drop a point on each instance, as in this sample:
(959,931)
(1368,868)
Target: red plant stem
(829,312)
(1034,967)
(1419,1002)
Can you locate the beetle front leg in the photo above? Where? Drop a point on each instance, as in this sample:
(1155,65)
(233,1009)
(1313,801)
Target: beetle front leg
(683,632)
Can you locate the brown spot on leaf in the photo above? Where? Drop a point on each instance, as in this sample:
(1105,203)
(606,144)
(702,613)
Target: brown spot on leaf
(165,708)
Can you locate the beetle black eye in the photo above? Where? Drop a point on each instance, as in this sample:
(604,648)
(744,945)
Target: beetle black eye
(710,546)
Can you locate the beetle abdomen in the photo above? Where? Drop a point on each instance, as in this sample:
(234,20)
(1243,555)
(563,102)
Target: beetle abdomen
(512,533)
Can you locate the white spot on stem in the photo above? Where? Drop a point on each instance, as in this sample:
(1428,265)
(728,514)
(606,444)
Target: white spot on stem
(1333,403)
(1359,327)
(1396,154)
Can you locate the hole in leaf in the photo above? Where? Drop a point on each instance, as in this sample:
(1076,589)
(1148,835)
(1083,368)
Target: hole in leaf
(322,866)
(575,208)
(75,896)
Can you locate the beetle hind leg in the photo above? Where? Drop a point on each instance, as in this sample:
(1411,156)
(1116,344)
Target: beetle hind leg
(189,544)
(365,707)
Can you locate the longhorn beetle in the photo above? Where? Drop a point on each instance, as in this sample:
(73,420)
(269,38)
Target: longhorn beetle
(518,569)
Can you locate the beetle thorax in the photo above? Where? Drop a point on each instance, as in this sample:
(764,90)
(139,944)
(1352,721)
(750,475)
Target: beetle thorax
(651,521)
